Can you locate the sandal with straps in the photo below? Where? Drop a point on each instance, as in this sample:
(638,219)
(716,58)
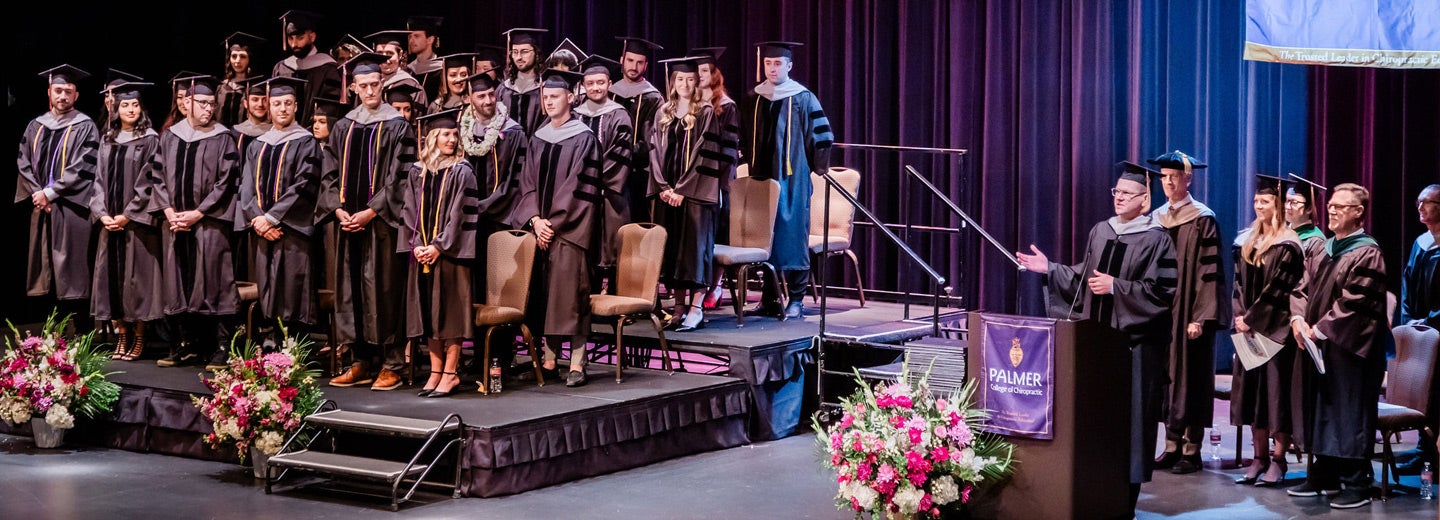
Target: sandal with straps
(122,342)
(427,391)
(137,346)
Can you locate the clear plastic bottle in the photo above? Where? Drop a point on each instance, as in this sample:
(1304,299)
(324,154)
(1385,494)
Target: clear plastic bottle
(1214,445)
(497,376)
(1427,479)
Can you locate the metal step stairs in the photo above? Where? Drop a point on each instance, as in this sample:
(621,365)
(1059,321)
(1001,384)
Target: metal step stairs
(912,341)
(301,451)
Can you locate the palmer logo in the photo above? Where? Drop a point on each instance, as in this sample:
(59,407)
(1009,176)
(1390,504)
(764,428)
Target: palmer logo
(1017,354)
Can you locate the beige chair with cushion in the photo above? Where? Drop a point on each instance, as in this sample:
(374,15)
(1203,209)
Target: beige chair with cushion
(637,277)
(752,230)
(842,223)
(1412,379)
(507,288)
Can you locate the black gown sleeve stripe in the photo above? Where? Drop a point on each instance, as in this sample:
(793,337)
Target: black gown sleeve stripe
(1166,281)
(593,198)
(1210,241)
(1367,272)
(1168,263)
(707,171)
(473,193)
(817,114)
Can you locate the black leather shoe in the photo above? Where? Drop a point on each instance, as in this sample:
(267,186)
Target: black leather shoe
(528,374)
(766,309)
(794,311)
(1312,489)
(575,378)
(1167,460)
(1188,464)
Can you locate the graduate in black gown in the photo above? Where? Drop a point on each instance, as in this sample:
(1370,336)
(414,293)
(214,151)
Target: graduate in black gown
(613,128)
(1420,300)
(454,90)
(240,49)
(422,44)
(641,100)
(1345,318)
(363,195)
(402,98)
(126,287)
(393,45)
(494,145)
(686,170)
(1301,199)
(1201,308)
(559,200)
(1269,269)
(790,137)
(56,170)
(1126,282)
(256,110)
(439,234)
(318,69)
(712,83)
(278,188)
(195,171)
(520,91)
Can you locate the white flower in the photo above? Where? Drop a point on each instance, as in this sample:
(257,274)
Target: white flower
(269,442)
(907,498)
(862,493)
(264,397)
(15,410)
(59,417)
(943,490)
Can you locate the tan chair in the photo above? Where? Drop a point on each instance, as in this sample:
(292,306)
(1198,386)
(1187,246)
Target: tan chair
(753,203)
(249,296)
(842,223)
(508,267)
(742,171)
(1412,378)
(637,277)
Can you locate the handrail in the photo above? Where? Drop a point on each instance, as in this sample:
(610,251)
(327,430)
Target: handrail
(956,209)
(957,151)
(934,275)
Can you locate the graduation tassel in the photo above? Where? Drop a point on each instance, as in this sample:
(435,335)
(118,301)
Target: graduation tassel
(759,76)
(789,113)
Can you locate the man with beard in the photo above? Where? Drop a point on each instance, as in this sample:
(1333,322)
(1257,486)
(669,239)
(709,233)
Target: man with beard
(195,168)
(257,113)
(613,128)
(318,69)
(362,195)
(641,100)
(520,92)
(392,44)
(56,171)
(422,42)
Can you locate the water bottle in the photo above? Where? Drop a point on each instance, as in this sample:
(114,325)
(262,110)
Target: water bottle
(1426,478)
(497,376)
(1214,445)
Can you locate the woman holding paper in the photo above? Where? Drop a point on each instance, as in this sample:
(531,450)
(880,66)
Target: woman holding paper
(1269,268)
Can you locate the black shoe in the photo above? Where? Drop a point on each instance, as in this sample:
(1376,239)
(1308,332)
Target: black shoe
(527,373)
(767,309)
(1167,460)
(575,378)
(795,310)
(1258,466)
(691,322)
(1188,464)
(1311,489)
(219,360)
(1351,498)
(181,357)
(425,393)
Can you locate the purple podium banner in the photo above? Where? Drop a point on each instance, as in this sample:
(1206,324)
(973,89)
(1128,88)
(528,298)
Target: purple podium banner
(1019,372)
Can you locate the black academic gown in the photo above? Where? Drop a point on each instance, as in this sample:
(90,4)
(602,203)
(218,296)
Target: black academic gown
(690,162)
(127,284)
(230,102)
(57,154)
(1269,396)
(373,153)
(613,129)
(790,138)
(197,170)
(729,115)
(560,182)
(1420,284)
(1142,259)
(281,180)
(440,210)
(1200,297)
(497,177)
(245,133)
(523,104)
(1346,304)
(322,79)
(641,100)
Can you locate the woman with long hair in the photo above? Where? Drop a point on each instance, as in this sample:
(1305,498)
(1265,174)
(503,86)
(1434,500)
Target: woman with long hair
(455,87)
(712,83)
(685,179)
(231,98)
(179,100)
(126,283)
(439,233)
(1269,267)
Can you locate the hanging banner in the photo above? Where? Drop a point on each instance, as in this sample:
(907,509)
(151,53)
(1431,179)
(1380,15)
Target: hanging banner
(1019,369)
(1395,34)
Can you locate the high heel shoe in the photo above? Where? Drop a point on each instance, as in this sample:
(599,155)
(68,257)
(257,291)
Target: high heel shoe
(137,344)
(694,320)
(1257,467)
(1274,474)
(427,391)
(438,393)
(122,345)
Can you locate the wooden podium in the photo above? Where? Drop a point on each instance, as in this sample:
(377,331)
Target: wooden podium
(1083,472)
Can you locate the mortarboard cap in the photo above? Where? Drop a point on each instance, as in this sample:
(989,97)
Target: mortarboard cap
(296,21)
(597,64)
(1135,172)
(242,41)
(397,37)
(1269,185)
(1178,160)
(463,59)
(523,35)
(177,82)
(685,64)
(64,74)
(115,77)
(639,46)
(200,85)
(778,49)
(126,90)
(439,120)
(1305,188)
(573,48)
(482,82)
(254,86)
(429,24)
(401,93)
(364,63)
(331,109)
(491,53)
(354,44)
(284,86)
(561,79)
(708,54)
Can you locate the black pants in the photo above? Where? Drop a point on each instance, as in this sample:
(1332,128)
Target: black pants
(204,333)
(797,282)
(1329,472)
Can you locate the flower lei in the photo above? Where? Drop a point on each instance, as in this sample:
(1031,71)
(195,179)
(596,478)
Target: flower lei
(492,130)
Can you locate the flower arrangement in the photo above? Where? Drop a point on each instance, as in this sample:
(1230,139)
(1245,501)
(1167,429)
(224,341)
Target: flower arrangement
(900,450)
(260,398)
(54,377)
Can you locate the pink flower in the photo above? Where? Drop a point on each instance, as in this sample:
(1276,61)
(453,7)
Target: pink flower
(934,511)
(288,393)
(965,495)
(855,504)
(886,475)
(897,422)
(962,436)
(837,442)
(884,401)
(916,436)
(859,408)
(926,502)
(940,432)
(917,479)
(847,421)
(941,404)
(940,454)
(864,472)
(955,418)
(903,401)
(916,462)
(836,459)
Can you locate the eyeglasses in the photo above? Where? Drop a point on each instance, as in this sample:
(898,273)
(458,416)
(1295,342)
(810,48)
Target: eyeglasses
(210,103)
(1294,203)
(1337,207)
(1124,195)
(521,52)
(1420,203)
